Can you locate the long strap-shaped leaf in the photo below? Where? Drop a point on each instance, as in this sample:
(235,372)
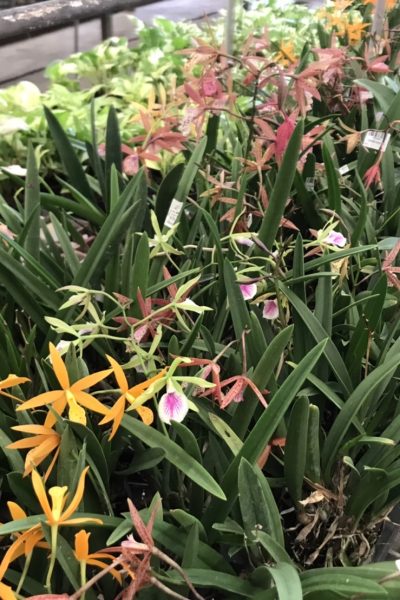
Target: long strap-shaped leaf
(32,206)
(318,333)
(174,454)
(277,202)
(343,421)
(67,154)
(262,433)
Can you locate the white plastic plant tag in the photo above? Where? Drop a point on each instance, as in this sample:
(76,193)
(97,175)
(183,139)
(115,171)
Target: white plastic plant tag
(173,213)
(344,169)
(309,184)
(376,140)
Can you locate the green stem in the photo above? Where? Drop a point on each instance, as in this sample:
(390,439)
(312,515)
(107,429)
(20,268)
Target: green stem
(54,533)
(83,577)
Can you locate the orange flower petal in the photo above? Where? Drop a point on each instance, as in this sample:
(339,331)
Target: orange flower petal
(119,374)
(146,414)
(41,400)
(89,380)
(82,545)
(138,389)
(6,592)
(59,367)
(16,512)
(91,403)
(34,429)
(76,500)
(39,454)
(41,495)
(12,380)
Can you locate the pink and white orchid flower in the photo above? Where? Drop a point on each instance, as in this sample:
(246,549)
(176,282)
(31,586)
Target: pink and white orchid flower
(173,406)
(271,309)
(249,290)
(335,238)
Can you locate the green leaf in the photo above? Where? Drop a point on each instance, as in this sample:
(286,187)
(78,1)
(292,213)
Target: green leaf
(277,202)
(318,333)
(348,585)
(216,580)
(174,454)
(334,200)
(296,447)
(313,458)
(287,581)
(262,433)
(72,164)
(32,207)
(274,548)
(190,171)
(119,220)
(113,152)
(259,510)
(353,404)
(227,434)
(367,324)
(382,93)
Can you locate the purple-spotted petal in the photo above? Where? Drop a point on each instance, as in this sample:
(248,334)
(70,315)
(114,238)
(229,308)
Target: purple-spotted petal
(249,290)
(173,406)
(335,238)
(271,309)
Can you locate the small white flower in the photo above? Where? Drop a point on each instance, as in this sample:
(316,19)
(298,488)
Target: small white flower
(249,290)
(271,309)
(173,406)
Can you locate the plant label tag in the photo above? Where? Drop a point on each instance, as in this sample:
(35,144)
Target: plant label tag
(344,169)
(376,140)
(309,184)
(173,213)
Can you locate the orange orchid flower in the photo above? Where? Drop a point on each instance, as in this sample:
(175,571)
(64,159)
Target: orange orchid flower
(96,559)
(42,443)
(56,515)
(129,395)
(72,395)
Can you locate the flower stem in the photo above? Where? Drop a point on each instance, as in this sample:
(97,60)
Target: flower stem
(54,533)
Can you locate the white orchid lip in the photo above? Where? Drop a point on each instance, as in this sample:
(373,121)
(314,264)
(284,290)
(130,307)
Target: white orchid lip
(249,290)
(173,406)
(271,309)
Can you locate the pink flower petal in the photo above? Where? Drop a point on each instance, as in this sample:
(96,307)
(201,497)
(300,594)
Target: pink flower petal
(249,290)
(173,407)
(335,238)
(271,309)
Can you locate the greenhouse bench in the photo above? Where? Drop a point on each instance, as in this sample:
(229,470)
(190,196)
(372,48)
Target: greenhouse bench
(34,19)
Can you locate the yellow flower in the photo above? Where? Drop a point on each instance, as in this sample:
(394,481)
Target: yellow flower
(129,395)
(286,54)
(72,395)
(355,32)
(96,559)
(56,515)
(42,443)
(24,544)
